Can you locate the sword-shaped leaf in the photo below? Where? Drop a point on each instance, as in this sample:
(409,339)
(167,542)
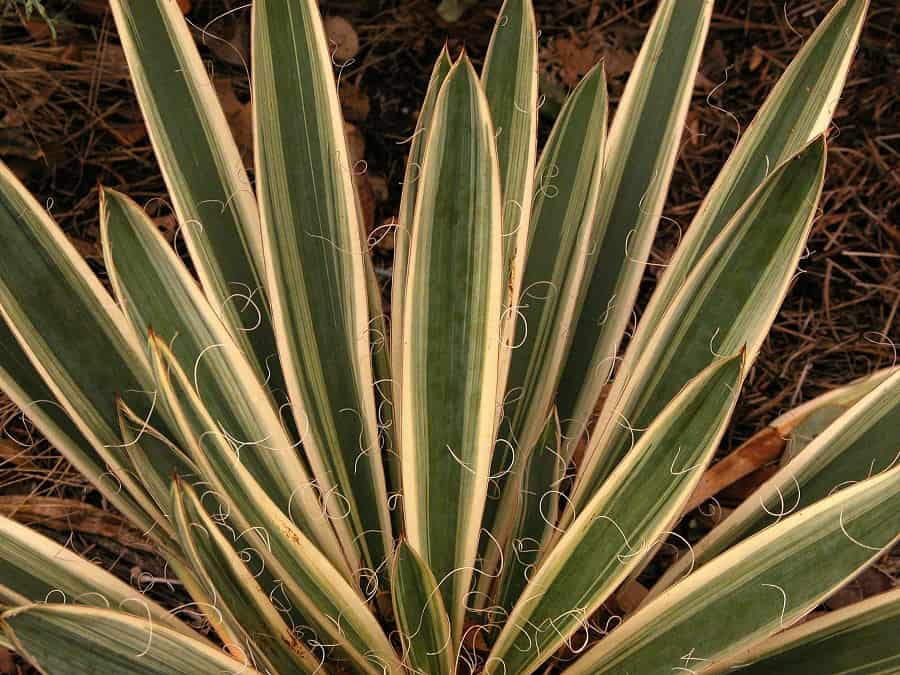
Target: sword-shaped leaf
(510,80)
(403,236)
(421,615)
(729,301)
(451,335)
(312,584)
(798,109)
(640,155)
(861,638)
(76,340)
(863,441)
(41,570)
(315,269)
(238,597)
(536,487)
(641,499)
(760,586)
(558,240)
(155,290)
(73,640)
(203,170)
(27,390)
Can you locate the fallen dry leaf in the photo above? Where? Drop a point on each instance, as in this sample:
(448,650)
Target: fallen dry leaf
(59,513)
(342,39)
(763,448)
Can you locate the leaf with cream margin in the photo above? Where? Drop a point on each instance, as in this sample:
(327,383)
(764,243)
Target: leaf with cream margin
(451,336)
(609,535)
(316,270)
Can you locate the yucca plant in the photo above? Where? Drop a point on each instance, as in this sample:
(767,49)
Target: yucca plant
(441,497)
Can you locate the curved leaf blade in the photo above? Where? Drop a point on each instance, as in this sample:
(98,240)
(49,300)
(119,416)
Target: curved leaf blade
(245,607)
(774,577)
(729,301)
(309,580)
(421,616)
(76,341)
(203,170)
(315,269)
(155,290)
(860,638)
(72,640)
(558,240)
(608,537)
(641,150)
(40,570)
(797,111)
(451,333)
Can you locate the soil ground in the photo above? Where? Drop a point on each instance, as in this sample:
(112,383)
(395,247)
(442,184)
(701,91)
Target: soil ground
(69,121)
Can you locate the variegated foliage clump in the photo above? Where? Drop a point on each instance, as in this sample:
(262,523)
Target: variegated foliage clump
(442,502)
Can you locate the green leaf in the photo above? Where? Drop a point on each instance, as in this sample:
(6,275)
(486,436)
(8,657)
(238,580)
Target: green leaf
(154,458)
(729,301)
(204,172)
(451,334)
(610,534)
(421,617)
(798,110)
(403,237)
(72,640)
(861,638)
(760,586)
(863,441)
(239,598)
(315,269)
(155,289)
(38,569)
(640,155)
(510,85)
(76,340)
(310,581)
(558,239)
(535,488)
(26,389)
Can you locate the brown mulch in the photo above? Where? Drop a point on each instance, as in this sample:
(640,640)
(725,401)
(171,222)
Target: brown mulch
(69,121)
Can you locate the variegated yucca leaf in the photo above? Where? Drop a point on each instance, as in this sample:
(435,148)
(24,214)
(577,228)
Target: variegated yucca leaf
(558,238)
(259,432)
(451,336)
(78,639)
(316,272)
(772,579)
(728,301)
(860,638)
(312,583)
(510,79)
(76,342)
(204,172)
(420,613)
(609,534)
(156,291)
(863,441)
(36,569)
(245,609)
(640,156)
(412,181)
(798,109)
